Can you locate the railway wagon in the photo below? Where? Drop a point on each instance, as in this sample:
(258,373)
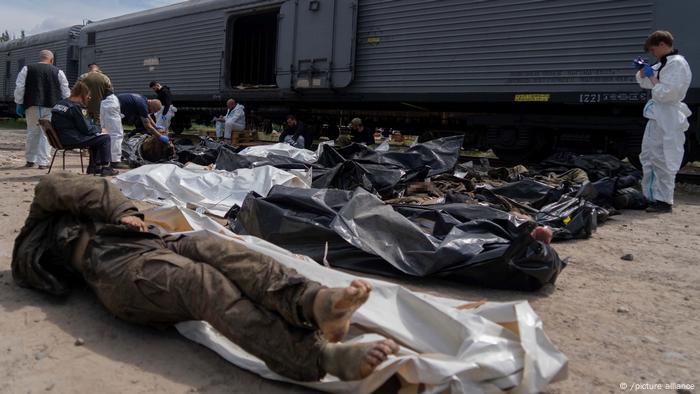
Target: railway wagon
(523,77)
(17,53)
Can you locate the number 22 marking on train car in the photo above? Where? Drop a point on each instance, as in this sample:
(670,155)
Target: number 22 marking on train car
(589,98)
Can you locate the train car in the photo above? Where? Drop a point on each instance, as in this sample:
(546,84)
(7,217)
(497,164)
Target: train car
(17,53)
(523,77)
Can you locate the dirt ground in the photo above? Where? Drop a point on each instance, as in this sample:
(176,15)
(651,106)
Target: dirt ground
(619,322)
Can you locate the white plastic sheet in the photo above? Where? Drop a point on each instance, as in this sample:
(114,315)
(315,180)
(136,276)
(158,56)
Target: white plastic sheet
(495,347)
(281,149)
(215,191)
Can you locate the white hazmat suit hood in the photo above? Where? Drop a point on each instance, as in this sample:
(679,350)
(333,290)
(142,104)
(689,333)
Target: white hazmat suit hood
(664,136)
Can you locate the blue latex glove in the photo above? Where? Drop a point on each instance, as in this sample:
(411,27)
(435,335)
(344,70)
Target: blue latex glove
(164,139)
(19,110)
(648,71)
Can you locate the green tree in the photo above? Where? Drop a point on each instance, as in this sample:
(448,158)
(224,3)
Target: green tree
(5,36)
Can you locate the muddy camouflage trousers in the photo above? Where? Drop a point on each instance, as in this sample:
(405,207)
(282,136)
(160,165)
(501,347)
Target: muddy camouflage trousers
(260,305)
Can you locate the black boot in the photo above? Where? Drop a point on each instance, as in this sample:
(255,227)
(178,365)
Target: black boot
(120,165)
(660,207)
(108,171)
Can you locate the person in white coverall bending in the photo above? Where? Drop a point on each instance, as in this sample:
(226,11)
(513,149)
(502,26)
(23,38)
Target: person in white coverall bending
(664,136)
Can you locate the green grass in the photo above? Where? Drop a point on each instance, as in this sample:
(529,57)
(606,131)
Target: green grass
(10,123)
(478,153)
(200,129)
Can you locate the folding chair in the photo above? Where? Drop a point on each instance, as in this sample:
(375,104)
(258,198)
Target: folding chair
(52,136)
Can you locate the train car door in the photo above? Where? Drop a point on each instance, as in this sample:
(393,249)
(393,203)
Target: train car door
(88,50)
(316,47)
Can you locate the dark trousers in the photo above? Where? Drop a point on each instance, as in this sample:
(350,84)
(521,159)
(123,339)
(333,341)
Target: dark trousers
(99,148)
(254,301)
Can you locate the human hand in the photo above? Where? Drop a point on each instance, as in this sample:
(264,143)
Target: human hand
(19,110)
(648,71)
(135,223)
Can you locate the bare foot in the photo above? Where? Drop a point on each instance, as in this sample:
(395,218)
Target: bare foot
(334,307)
(356,361)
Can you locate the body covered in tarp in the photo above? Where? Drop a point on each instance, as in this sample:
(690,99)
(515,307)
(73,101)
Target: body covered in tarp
(145,149)
(214,191)
(384,173)
(228,160)
(570,193)
(141,150)
(356,230)
(447,345)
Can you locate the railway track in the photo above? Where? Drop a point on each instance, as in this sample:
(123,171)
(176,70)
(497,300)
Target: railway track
(690,175)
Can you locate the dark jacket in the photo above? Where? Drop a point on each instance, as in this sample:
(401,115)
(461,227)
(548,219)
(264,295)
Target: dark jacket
(57,218)
(134,107)
(42,86)
(366,136)
(299,129)
(100,87)
(165,97)
(70,124)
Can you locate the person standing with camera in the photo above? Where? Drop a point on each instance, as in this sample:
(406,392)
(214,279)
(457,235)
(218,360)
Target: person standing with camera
(664,136)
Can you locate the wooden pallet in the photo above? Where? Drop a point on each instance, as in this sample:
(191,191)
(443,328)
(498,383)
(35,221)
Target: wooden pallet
(243,136)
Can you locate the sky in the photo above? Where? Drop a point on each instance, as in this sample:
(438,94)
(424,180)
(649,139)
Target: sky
(36,16)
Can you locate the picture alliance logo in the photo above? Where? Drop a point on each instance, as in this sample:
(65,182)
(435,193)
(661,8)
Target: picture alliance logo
(678,387)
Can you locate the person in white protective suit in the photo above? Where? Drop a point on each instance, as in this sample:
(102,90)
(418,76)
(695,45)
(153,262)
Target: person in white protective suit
(165,115)
(163,121)
(234,120)
(664,136)
(111,122)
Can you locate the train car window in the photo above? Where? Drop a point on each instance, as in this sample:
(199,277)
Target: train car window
(253,50)
(91,38)
(20,64)
(8,64)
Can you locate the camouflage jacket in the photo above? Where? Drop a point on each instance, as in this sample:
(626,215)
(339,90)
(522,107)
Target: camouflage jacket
(64,206)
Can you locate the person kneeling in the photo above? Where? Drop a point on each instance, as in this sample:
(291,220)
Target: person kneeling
(75,131)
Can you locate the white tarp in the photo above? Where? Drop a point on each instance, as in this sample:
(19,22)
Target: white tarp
(281,149)
(495,347)
(215,191)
